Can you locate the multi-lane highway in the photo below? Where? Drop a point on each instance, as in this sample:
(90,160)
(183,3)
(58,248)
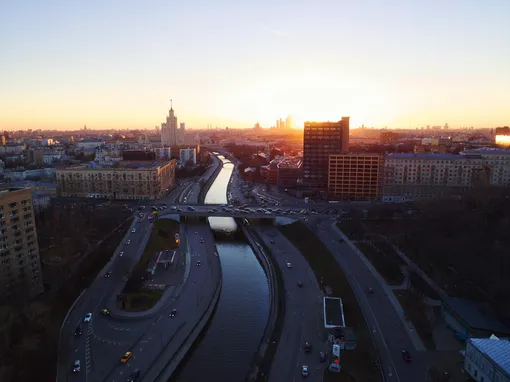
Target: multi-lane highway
(391,334)
(153,337)
(303,312)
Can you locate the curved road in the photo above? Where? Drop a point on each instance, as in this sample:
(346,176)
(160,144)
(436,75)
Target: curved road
(303,312)
(389,332)
(105,339)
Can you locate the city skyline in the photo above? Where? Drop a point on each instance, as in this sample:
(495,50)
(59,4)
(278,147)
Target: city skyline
(113,67)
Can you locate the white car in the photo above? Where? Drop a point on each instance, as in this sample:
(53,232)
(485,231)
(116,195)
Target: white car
(88,317)
(304,371)
(121,254)
(128,242)
(289,265)
(133,230)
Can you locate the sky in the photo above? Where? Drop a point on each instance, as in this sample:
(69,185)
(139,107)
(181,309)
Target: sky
(387,63)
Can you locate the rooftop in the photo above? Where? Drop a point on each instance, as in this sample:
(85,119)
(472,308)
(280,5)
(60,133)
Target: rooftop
(5,191)
(487,151)
(476,316)
(497,350)
(424,156)
(290,162)
(123,165)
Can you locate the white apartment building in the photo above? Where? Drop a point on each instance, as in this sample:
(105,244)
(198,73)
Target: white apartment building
(186,155)
(488,359)
(410,177)
(163,152)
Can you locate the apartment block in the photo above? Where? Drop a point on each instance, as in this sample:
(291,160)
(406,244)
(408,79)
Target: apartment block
(20,267)
(322,139)
(488,359)
(356,176)
(290,172)
(130,181)
(425,176)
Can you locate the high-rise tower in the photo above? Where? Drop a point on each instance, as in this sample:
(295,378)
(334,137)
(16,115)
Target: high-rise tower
(169,129)
(320,140)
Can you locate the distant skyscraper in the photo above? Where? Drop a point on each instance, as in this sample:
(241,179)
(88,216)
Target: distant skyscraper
(169,129)
(289,123)
(277,123)
(321,139)
(282,124)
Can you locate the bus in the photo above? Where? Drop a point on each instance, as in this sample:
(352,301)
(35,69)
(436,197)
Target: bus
(334,365)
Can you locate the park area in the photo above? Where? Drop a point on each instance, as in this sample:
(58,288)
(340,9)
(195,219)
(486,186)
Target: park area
(135,296)
(357,365)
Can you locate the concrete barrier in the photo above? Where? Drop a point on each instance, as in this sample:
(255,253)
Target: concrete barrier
(274,310)
(190,339)
(205,189)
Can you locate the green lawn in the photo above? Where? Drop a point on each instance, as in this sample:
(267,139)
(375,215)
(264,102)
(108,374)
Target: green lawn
(416,311)
(356,364)
(141,301)
(386,267)
(162,238)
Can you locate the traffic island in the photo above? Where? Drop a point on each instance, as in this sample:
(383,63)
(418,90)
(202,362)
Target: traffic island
(357,365)
(139,293)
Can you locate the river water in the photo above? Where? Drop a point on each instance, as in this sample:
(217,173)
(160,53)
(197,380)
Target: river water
(224,352)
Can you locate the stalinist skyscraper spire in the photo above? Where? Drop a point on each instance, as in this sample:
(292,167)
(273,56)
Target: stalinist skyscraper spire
(169,129)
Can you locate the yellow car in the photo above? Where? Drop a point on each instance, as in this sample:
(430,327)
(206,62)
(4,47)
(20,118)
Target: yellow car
(126,357)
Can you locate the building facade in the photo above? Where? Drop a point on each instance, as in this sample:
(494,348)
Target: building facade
(410,177)
(20,267)
(188,155)
(321,139)
(290,172)
(356,176)
(488,359)
(131,181)
(169,133)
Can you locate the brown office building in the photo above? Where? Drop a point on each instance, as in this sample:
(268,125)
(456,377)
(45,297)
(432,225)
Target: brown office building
(322,139)
(355,176)
(20,267)
(130,181)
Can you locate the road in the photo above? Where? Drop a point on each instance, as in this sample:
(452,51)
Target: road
(105,339)
(389,332)
(303,312)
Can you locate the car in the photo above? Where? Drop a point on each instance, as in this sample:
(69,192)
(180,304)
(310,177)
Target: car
(322,357)
(173,313)
(196,232)
(77,331)
(289,265)
(202,241)
(272,241)
(308,347)
(126,357)
(104,312)
(133,230)
(406,355)
(370,290)
(88,317)
(76,366)
(199,263)
(128,242)
(304,371)
(134,375)
(121,254)
(108,275)
(300,284)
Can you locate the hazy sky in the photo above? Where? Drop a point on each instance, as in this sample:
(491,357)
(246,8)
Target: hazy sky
(117,64)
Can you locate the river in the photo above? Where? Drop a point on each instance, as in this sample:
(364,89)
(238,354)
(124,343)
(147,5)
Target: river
(224,352)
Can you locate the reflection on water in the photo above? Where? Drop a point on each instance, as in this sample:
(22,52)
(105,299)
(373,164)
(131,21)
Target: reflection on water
(227,348)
